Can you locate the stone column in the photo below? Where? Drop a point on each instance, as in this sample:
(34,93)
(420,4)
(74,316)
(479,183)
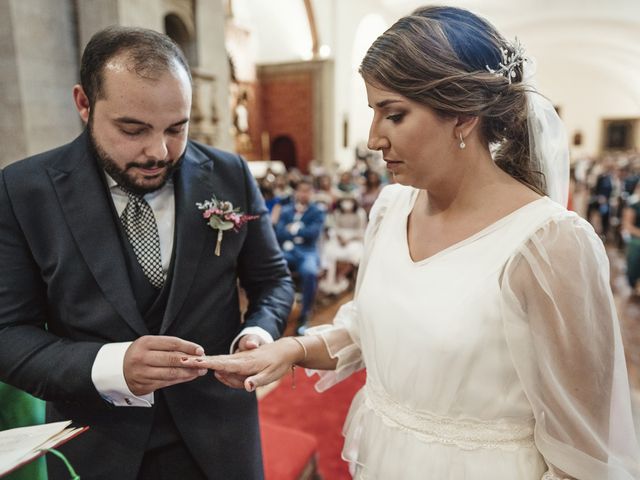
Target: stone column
(39,66)
(212,60)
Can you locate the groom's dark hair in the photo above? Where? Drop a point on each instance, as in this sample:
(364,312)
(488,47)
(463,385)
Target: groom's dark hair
(149,53)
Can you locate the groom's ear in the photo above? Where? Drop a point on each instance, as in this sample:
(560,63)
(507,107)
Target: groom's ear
(81,102)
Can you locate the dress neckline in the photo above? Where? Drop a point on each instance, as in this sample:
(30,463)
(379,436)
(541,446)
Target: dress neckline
(454,246)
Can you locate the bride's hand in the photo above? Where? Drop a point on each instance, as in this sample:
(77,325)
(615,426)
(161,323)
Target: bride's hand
(252,368)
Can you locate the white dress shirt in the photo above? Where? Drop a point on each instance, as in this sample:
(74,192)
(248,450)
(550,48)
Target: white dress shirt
(107,372)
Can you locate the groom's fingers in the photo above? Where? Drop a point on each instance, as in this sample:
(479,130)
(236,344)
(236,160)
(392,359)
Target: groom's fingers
(174,375)
(171,359)
(170,344)
(161,351)
(152,362)
(249,342)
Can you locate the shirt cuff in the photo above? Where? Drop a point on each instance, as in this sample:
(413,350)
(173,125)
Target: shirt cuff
(261,332)
(107,375)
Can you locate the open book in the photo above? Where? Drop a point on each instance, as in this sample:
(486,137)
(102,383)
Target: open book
(19,446)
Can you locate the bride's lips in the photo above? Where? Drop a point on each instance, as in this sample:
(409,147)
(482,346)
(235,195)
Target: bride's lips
(392,164)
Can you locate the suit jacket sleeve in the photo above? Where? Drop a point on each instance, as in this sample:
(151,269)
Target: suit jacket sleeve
(285,219)
(262,269)
(31,358)
(313,226)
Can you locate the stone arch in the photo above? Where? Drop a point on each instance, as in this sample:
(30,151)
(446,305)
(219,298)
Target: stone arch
(183,33)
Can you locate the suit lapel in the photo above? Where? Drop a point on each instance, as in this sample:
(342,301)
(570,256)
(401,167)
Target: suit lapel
(88,211)
(193,183)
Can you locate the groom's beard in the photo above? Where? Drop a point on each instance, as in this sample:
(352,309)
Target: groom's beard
(122,176)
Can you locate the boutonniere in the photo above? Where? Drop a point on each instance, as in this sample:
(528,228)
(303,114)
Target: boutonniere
(221,216)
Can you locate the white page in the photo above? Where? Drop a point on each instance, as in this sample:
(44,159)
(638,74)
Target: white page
(19,444)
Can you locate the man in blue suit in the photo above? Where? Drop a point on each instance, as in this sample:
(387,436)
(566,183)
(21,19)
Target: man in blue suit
(111,275)
(298,230)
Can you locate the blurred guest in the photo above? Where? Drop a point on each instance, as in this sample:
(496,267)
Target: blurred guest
(631,229)
(325,192)
(271,200)
(372,187)
(346,184)
(282,188)
(603,191)
(298,231)
(344,246)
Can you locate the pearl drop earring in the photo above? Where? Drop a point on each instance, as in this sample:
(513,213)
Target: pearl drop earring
(462,144)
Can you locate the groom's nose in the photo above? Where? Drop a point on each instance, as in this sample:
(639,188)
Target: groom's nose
(156,147)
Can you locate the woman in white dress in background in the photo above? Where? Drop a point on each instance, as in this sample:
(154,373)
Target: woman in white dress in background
(483,311)
(344,244)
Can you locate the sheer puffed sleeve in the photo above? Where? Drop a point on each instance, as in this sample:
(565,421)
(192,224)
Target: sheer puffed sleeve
(341,337)
(564,337)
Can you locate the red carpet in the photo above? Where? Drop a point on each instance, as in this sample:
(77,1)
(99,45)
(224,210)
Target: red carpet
(319,414)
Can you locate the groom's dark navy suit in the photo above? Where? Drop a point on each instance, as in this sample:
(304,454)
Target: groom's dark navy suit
(68,286)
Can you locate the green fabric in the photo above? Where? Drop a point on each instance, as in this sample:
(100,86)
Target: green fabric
(636,208)
(633,261)
(19,409)
(633,250)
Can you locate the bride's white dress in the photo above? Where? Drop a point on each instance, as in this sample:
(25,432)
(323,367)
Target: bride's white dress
(493,359)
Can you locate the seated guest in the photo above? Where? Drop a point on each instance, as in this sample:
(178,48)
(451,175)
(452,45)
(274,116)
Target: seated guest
(344,246)
(298,230)
(347,185)
(372,187)
(325,194)
(631,227)
(271,200)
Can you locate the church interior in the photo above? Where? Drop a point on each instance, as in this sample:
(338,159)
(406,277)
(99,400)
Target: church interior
(277,82)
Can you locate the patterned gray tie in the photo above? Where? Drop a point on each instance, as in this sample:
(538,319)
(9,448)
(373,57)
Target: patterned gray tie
(142,231)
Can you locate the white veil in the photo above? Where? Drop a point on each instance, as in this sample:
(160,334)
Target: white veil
(548,144)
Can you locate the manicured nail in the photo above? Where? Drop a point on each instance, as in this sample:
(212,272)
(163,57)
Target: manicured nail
(200,351)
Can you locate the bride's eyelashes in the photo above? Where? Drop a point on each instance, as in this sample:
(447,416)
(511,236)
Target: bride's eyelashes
(396,117)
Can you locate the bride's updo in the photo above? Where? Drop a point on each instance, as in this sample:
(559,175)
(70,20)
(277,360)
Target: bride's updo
(440,57)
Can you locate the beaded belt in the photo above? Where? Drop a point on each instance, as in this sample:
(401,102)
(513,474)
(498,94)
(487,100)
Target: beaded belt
(463,433)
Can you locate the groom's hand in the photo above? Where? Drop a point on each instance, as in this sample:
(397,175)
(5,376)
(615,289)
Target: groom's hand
(249,342)
(154,361)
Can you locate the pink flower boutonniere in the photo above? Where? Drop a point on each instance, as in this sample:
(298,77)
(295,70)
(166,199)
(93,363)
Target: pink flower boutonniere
(221,216)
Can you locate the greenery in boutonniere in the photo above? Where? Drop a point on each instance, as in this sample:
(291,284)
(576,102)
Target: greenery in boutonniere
(221,216)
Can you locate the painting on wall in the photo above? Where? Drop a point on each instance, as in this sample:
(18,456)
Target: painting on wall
(619,134)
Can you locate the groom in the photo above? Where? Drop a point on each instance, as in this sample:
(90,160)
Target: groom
(110,274)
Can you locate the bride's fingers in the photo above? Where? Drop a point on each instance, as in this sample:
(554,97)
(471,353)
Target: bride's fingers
(249,386)
(222,379)
(265,377)
(224,363)
(230,380)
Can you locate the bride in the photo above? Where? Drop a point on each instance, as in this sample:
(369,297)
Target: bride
(483,312)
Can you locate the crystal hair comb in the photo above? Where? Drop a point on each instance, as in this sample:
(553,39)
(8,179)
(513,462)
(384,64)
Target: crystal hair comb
(511,58)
